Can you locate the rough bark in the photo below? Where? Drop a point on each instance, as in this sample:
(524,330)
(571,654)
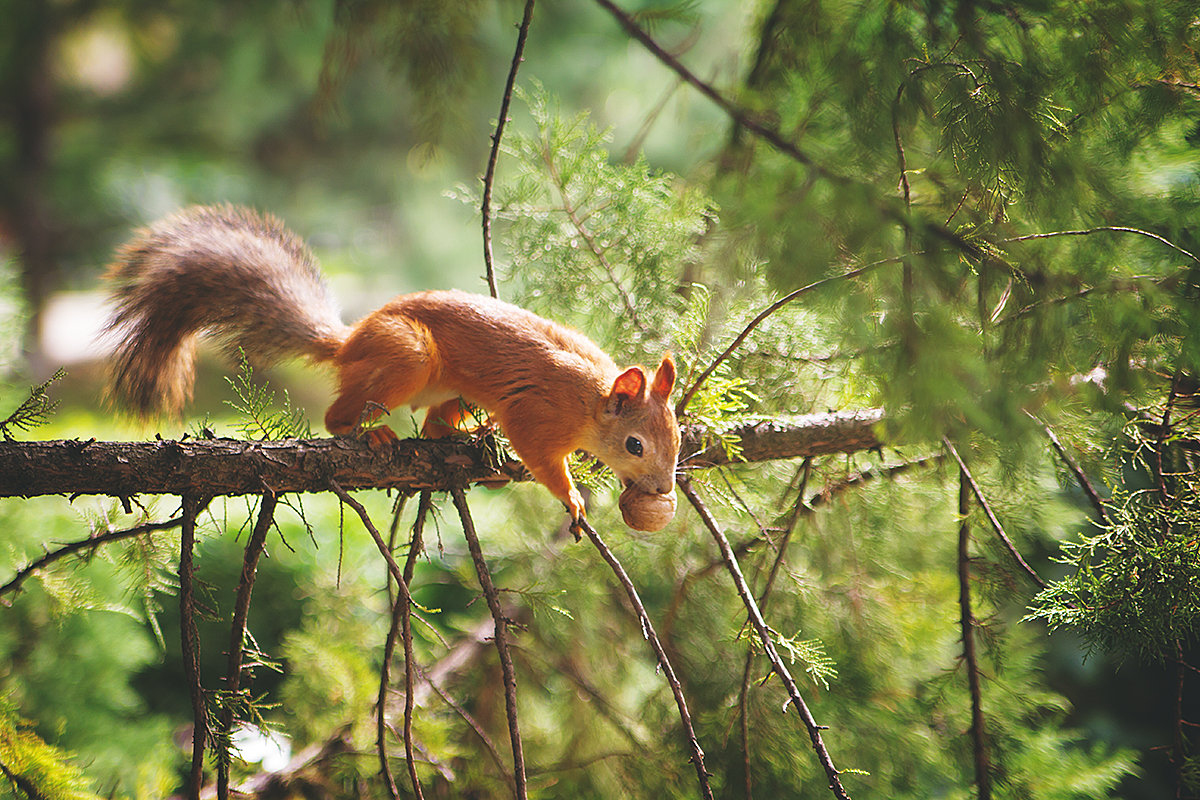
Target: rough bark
(213,467)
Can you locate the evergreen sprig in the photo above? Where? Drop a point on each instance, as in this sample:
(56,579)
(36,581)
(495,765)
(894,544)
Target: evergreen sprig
(35,409)
(1131,589)
(256,403)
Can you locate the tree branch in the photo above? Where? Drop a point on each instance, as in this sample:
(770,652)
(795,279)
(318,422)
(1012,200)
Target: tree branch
(773,137)
(489,177)
(214,467)
(190,644)
(739,115)
(500,637)
(991,516)
(790,437)
(764,635)
(237,633)
(90,543)
(967,624)
(648,633)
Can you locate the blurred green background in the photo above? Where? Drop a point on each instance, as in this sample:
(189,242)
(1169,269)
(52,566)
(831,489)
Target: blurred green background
(933,135)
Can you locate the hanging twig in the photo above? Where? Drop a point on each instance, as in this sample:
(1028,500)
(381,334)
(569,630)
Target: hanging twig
(743,694)
(764,635)
(490,175)
(90,543)
(664,662)
(967,624)
(681,406)
(399,610)
(1103,229)
(190,643)
(401,628)
(415,548)
(501,637)
(472,723)
(237,632)
(405,598)
(1080,476)
(991,516)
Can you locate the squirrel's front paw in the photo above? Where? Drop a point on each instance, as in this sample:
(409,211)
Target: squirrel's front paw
(379,436)
(575,508)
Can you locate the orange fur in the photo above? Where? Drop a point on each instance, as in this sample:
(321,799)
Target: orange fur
(247,279)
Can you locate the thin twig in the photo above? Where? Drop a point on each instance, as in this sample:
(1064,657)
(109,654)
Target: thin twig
(906,280)
(472,723)
(991,516)
(798,508)
(1103,229)
(764,635)
(415,548)
(967,624)
(237,630)
(773,137)
(399,609)
(648,633)
(1133,283)
(738,114)
(401,628)
(189,642)
(681,406)
(1080,476)
(501,638)
(797,511)
(90,543)
(490,175)
(402,585)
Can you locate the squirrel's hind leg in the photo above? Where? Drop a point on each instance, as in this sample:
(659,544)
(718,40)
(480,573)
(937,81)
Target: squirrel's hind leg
(385,363)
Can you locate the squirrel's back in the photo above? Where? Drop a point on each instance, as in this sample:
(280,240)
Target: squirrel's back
(224,269)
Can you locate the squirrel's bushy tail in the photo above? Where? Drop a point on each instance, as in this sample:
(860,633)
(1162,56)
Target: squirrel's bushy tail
(222,269)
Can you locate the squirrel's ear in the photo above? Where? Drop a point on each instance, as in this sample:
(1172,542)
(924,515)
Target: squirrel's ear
(629,387)
(664,378)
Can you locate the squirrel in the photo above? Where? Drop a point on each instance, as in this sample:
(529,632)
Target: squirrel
(245,278)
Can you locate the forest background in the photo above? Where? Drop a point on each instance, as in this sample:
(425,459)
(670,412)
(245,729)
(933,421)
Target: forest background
(985,215)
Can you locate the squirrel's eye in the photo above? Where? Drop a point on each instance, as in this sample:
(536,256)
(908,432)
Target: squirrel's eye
(634,446)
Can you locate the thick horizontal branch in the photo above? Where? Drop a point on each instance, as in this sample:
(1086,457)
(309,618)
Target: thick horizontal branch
(214,467)
(804,436)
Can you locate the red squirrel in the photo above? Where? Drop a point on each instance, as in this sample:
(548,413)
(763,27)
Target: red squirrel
(252,283)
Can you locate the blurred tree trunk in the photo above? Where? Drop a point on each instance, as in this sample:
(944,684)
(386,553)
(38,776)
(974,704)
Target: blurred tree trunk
(34,28)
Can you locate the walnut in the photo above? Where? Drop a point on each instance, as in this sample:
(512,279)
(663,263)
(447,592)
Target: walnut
(647,512)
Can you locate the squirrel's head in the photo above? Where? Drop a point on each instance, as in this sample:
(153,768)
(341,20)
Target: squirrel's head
(638,435)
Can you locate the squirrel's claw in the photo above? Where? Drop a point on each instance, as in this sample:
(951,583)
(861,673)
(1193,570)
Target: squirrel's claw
(576,527)
(575,508)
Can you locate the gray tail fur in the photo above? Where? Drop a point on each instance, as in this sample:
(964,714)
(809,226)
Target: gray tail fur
(228,271)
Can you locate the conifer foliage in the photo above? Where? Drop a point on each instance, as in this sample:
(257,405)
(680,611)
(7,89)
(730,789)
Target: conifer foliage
(966,228)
